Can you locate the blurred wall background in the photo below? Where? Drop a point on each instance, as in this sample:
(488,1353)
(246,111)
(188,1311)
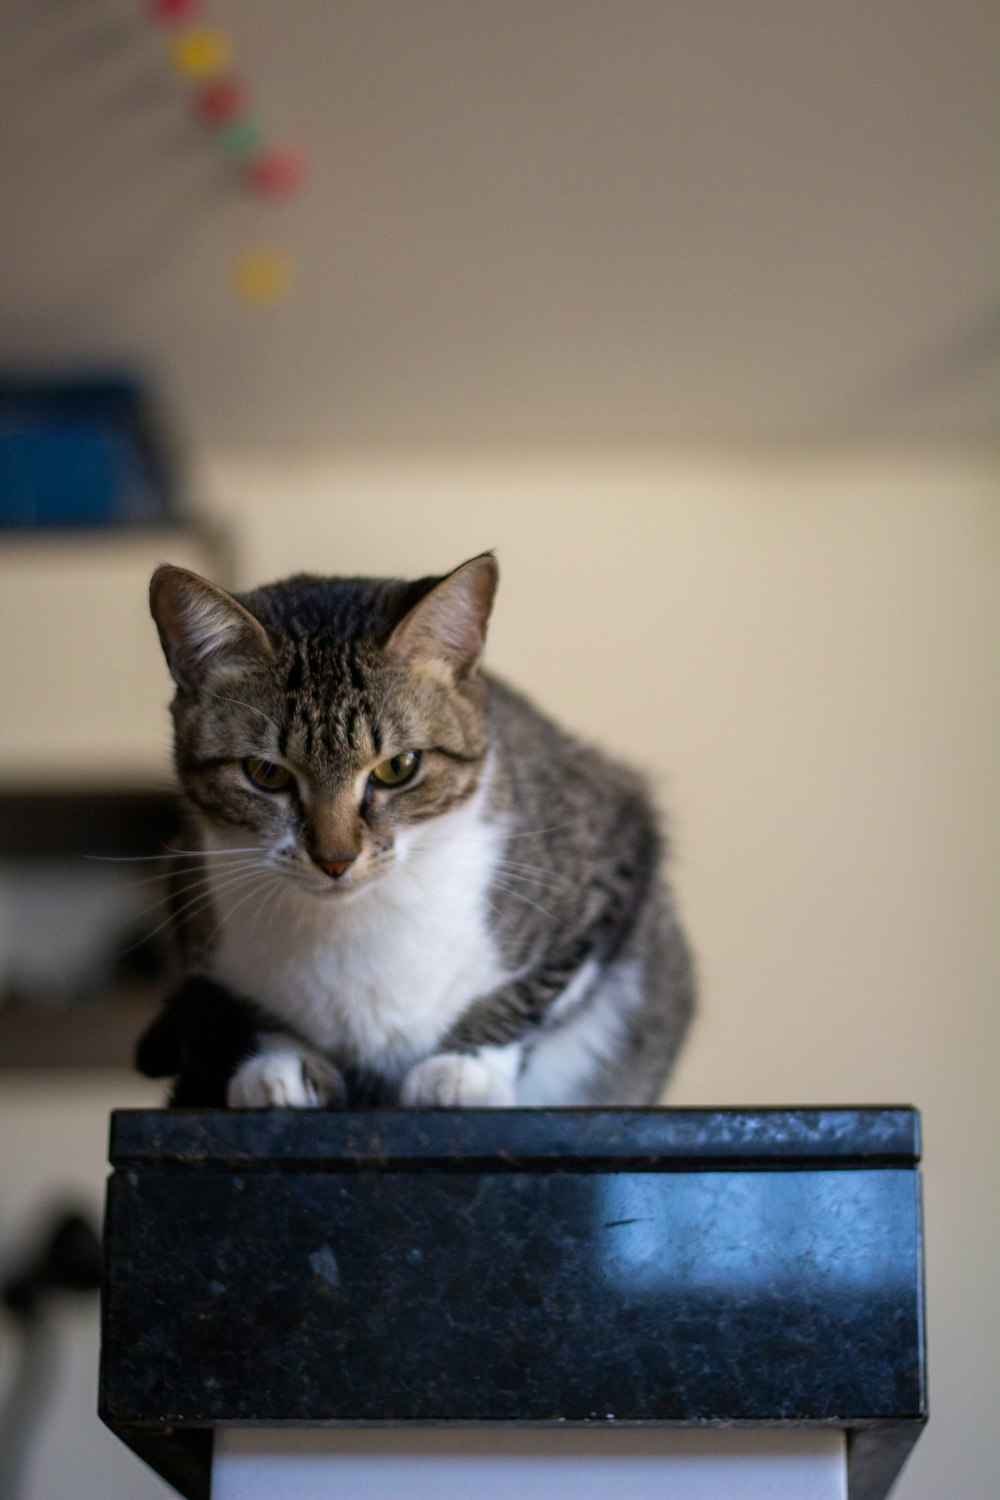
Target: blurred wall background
(686,309)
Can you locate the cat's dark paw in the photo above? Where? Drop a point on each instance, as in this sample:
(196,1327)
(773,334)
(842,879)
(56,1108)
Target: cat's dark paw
(286,1077)
(158,1050)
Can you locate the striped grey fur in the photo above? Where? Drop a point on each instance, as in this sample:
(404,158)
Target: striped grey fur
(584,988)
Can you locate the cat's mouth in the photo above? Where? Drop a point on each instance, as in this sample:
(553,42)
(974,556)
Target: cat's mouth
(342,887)
(340,890)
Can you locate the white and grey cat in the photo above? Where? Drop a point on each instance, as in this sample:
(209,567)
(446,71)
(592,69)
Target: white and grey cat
(408,885)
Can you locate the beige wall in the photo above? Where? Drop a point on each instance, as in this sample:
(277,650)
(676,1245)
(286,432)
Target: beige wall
(804,654)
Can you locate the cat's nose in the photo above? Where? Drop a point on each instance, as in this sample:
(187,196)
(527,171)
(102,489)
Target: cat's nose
(335,867)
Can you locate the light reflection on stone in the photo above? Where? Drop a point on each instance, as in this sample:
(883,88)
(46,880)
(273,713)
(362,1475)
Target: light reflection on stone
(826,1231)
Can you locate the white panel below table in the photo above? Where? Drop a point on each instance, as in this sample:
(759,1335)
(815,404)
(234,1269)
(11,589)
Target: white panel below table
(420,1463)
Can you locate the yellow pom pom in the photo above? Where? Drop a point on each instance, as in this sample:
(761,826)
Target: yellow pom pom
(264,275)
(201,52)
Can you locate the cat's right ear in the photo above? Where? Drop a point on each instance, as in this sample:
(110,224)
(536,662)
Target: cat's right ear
(449,623)
(203,630)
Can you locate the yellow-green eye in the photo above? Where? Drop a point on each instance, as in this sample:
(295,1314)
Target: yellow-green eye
(397,769)
(266,775)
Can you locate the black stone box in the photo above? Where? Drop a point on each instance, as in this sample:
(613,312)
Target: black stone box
(597,1267)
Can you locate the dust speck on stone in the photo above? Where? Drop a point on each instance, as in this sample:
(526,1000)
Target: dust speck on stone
(324,1263)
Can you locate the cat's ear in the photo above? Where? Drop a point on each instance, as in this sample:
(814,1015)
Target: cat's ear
(203,630)
(449,623)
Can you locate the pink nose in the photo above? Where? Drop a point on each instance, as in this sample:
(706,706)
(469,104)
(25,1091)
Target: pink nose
(335,867)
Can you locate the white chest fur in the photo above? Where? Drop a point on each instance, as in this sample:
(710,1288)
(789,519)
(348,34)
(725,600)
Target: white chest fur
(375,980)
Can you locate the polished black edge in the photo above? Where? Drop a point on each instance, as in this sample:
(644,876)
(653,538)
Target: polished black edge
(659,1139)
(182,1455)
(876,1455)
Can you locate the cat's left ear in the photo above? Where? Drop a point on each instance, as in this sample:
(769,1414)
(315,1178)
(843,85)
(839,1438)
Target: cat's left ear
(204,631)
(449,623)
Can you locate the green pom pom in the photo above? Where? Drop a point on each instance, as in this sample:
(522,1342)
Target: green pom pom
(243,138)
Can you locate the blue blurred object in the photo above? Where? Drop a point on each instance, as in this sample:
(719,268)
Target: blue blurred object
(82,451)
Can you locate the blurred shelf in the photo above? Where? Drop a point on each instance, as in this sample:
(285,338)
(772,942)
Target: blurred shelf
(84,690)
(98,1035)
(68,824)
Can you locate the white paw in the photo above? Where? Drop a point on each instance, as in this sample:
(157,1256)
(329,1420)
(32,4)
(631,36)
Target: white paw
(452,1079)
(285,1078)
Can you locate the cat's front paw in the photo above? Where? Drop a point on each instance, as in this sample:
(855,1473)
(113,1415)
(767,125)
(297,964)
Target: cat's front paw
(286,1078)
(454,1079)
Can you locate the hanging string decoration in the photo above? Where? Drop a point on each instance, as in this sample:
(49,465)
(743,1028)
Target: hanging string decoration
(273,170)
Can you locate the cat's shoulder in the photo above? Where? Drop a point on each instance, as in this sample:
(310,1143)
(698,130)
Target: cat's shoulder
(538,760)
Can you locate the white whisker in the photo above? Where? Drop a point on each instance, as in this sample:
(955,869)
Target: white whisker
(145,859)
(268,882)
(382,709)
(240,704)
(547,877)
(188,886)
(202,899)
(161,876)
(499,885)
(530,833)
(180,873)
(497,912)
(528,880)
(162,900)
(470,839)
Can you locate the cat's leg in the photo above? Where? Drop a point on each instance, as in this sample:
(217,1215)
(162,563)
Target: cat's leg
(485,1078)
(283,1073)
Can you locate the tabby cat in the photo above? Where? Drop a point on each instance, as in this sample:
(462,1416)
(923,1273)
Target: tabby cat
(402,883)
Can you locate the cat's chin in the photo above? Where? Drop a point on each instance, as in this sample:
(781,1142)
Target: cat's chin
(336,891)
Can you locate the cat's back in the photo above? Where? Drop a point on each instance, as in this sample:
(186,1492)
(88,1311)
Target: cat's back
(581,871)
(579,809)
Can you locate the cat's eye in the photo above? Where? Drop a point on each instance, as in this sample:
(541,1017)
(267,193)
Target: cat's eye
(397,769)
(266,775)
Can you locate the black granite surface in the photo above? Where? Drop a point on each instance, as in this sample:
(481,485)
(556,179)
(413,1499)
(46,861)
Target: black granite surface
(530,1139)
(592,1267)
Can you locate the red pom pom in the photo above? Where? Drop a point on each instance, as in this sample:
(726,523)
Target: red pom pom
(220,102)
(174,12)
(279,171)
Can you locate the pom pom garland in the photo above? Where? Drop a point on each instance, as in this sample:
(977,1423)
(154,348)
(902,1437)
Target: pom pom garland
(220,102)
(202,54)
(243,138)
(264,275)
(279,171)
(174,12)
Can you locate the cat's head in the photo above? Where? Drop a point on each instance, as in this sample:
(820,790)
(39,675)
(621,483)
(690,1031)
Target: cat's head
(326,723)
